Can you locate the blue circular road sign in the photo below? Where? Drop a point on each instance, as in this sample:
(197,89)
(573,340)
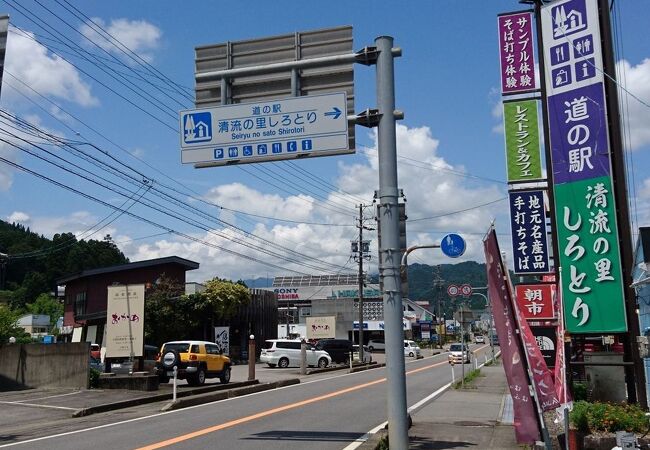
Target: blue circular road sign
(453,245)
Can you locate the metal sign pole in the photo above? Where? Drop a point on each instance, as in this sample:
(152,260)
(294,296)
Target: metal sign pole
(389,246)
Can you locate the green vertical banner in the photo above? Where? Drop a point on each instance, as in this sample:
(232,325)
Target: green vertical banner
(590,257)
(523,150)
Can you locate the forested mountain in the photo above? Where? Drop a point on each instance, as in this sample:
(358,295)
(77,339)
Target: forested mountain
(33,262)
(429,283)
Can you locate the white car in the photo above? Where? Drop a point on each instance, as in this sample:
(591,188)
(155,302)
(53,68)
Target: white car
(460,353)
(411,349)
(479,339)
(376,344)
(367,356)
(286,353)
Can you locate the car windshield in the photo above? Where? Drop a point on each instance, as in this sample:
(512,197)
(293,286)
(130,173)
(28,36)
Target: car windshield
(456,348)
(180,347)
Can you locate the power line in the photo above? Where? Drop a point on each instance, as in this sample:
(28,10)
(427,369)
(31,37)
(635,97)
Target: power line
(459,211)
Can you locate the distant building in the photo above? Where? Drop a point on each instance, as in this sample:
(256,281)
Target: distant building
(86,294)
(37,325)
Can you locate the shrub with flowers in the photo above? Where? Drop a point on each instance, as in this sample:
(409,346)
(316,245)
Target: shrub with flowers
(608,417)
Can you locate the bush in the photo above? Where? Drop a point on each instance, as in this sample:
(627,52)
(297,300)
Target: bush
(94,378)
(607,417)
(580,391)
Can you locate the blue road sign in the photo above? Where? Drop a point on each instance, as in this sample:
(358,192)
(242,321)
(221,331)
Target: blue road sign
(453,245)
(265,130)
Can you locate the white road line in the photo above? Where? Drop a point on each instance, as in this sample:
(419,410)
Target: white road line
(36,405)
(49,396)
(360,440)
(137,419)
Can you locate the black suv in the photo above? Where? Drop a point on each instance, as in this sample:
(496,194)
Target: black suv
(338,349)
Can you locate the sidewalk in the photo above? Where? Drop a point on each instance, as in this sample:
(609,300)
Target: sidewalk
(476,417)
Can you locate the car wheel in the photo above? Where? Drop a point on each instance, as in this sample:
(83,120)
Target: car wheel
(322,363)
(270,365)
(283,363)
(411,354)
(199,378)
(225,377)
(371,348)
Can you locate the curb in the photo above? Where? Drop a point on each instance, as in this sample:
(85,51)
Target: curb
(158,398)
(209,397)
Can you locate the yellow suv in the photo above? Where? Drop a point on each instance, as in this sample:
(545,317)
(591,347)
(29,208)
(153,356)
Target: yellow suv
(194,360)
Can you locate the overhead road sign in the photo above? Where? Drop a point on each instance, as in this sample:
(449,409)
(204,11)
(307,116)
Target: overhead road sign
(279,66)
(261,131)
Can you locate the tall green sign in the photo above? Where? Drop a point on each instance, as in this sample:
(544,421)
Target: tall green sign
(523,156)
(589,256)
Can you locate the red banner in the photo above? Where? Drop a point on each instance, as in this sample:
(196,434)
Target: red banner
(526,425)
(542,378)
(535,301)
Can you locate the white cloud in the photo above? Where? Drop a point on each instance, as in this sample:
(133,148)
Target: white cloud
(18,217)
(48,74)
(636,79)
(138,36)
(429,192)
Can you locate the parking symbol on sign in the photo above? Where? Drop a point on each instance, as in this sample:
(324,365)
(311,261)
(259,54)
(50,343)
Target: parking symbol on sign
(218,153)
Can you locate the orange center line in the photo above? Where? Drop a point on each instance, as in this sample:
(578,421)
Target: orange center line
(269,412)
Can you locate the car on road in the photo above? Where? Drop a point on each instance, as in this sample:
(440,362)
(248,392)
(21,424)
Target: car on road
(459,353)
(479,339)
(286,353)
(338,349)
(376,344)
(411,349)
(195,361)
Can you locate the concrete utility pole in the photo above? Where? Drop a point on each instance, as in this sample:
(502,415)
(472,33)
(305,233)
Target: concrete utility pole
(389,268)
(361,253)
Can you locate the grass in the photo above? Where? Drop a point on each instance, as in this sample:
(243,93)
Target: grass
(469,377)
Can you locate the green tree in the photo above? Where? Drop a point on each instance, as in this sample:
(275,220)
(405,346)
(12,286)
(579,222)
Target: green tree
(222,298)
(168,314)
(47,305)
(8,327)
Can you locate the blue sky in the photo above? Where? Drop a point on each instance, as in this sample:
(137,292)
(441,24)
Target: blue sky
(450,144)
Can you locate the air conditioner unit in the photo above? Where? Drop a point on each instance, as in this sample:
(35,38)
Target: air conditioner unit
(305,312)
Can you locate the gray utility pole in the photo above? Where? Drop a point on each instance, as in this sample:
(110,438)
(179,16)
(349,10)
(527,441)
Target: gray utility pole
(363,251)
(489,308)
(389,247)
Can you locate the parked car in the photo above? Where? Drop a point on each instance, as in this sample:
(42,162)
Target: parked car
(95,363)
(125,366)
(367,356)
(195,361)
(338,349)
(460,353)
(411,349)
(95,351)
(286,353)
(376,344)
(479,339)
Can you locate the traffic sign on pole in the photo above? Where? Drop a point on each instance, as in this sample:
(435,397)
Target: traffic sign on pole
(453,245)
(315,125)
(453,290)
(466,290)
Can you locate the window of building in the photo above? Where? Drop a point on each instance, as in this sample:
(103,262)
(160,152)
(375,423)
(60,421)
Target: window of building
(80,304)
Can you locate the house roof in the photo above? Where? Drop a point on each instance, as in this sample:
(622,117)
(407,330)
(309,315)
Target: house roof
(189,265)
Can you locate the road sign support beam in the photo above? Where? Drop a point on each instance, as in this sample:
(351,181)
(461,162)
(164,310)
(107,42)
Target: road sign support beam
(366,56)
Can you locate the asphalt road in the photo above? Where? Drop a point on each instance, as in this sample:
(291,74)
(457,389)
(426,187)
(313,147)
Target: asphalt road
(324,413)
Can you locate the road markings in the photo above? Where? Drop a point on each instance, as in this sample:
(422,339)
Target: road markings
(180,411)
(36,405)
(270,412)
(49,396)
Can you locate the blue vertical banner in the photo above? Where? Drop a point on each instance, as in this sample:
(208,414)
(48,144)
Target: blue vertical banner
(528,225)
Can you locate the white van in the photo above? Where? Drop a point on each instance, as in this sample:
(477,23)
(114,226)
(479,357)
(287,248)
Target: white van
(286,353)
